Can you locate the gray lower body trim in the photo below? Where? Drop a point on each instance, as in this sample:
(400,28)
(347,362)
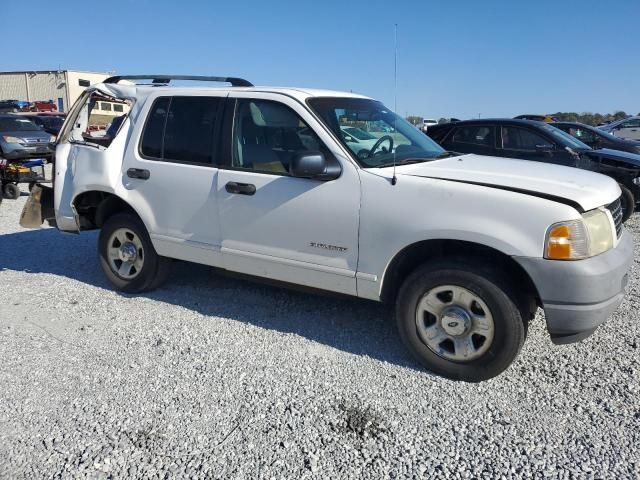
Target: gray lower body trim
(577,296)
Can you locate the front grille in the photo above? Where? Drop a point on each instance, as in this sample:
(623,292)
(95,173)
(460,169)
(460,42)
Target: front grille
(615,209)
(35,140)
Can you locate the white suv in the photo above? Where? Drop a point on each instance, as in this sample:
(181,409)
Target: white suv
(261,181)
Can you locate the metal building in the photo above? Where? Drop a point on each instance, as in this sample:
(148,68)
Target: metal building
(61,86)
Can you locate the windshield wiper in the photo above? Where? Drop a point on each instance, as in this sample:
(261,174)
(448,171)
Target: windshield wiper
(406,161)
(447,154)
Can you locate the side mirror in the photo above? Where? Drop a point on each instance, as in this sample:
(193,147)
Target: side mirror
(309,164)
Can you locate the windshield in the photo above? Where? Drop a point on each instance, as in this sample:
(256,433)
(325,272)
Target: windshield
(564,138)
(53,121)
(395,136)
(17,125)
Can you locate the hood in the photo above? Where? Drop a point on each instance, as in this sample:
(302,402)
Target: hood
(580,188)
(619,155)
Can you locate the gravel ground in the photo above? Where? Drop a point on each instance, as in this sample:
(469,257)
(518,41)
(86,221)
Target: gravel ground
(211,377)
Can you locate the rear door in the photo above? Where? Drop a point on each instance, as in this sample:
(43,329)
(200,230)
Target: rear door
(478,139)
(170,174)
(297,230)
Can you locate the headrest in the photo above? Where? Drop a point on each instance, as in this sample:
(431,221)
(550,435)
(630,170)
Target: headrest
(273,115)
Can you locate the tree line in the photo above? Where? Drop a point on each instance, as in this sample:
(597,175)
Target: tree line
(585,117)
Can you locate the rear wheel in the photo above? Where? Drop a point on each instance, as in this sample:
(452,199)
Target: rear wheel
(460,320)
(11,190)
(627,203)
(127,256)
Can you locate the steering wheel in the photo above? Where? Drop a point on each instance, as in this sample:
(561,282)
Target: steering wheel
(378,143)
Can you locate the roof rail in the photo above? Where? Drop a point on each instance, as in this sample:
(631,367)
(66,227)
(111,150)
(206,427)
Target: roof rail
(166,79)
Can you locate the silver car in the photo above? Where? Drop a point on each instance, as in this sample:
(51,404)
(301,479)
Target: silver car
(20,138)
(626,128)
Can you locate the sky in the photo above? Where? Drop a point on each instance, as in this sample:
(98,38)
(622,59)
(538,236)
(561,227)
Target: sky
(460,58)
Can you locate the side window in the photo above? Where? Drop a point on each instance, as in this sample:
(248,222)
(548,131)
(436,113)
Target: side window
(515,138)
(268,134)
(151,145)
(582,134)
(474,135)
(630,124)
(181,129)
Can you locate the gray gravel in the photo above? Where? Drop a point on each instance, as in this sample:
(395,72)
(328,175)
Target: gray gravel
(221,378)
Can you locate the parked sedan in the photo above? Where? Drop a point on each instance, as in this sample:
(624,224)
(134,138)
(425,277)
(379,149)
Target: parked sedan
(20,138)
(628,128)
(537,141)
(598,138)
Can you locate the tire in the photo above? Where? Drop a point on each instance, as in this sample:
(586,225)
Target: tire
(491,351)
(627,202)
(124,237)
(11,191)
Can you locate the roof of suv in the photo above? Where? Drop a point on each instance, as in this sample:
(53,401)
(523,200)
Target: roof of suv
(135,91)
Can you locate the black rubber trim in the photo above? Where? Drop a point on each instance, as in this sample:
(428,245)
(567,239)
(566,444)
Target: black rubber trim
(533,193)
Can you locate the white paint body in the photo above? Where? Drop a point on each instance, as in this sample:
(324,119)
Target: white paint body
(275,233)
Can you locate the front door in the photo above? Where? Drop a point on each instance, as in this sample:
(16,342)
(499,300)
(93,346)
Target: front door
(526,144)
(297,230)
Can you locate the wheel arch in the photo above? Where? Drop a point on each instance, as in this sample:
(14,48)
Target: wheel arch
(95,207)
(419,253)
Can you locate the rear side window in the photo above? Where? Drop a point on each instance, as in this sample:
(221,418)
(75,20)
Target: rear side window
(181,129)
(474,135)
(151,145)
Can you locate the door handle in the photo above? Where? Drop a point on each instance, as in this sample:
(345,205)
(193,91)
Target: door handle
(140,173)
(240,188)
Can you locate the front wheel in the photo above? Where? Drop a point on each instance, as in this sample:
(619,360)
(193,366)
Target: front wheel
(627,203)
(127,256)
(460,320)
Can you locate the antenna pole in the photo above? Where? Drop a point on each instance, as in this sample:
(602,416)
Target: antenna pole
(394,179)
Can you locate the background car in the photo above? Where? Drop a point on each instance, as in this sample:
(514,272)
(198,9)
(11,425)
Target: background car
(628,128)
(542,142)
(428,122)
(359,140)
(10,106)
(537,118)
(20,139)
(49,123)
(598,138)
(44,106)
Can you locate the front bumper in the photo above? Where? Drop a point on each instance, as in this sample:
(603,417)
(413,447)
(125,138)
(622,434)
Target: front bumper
(578,296)
(18,152)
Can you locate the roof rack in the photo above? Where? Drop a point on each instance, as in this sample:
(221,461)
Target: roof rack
(166,79)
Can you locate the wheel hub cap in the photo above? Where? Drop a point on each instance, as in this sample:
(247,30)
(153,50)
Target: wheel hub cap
(128,252)
(455,321)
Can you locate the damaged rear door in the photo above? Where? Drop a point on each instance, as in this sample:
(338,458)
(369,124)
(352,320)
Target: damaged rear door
(86,158)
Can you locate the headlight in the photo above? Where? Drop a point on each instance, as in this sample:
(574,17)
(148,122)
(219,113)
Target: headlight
(636,181)
(577,239)
(10,139)
(52,138)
